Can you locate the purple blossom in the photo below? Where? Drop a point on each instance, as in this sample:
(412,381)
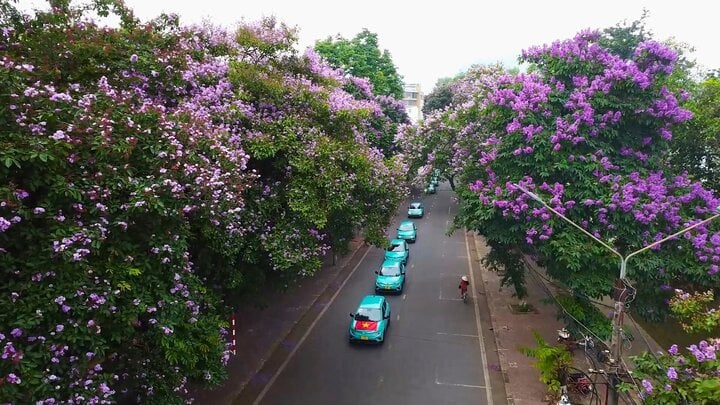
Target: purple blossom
(672,374)
(58,135)
(13,379)
(4,224)
(133,58)
(648,386)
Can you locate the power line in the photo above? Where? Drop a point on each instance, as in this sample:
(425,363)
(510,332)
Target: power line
(549,294)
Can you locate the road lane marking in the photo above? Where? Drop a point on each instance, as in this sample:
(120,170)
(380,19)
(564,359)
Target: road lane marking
(404,296)
(438,382)
(307,333)
(481,340)
(398,317)
(456,334)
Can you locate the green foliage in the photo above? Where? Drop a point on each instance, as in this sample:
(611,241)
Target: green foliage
(697,143)
(440,97)
(361,57)
(579,313)
(695,311)
(507,261)
(550,361)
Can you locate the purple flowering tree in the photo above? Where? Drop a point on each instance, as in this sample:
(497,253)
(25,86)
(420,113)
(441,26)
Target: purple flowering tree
(589,131)
(140,166)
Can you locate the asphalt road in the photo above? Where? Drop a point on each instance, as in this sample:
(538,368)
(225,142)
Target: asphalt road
(433,353)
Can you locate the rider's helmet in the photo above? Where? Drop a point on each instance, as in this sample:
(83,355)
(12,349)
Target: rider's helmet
(464,278)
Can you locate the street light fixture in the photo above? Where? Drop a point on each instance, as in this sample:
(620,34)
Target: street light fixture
(618,315)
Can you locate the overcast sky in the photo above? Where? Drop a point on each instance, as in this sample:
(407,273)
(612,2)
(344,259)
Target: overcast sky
(429,40)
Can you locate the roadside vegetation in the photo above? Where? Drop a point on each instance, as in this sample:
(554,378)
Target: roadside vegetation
(153,176)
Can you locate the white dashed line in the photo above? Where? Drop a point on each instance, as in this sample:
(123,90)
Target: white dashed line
(457,334)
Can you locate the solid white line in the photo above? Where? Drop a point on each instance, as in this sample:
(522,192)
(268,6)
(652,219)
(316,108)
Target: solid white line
(307,333)
(483,355)
(459,385)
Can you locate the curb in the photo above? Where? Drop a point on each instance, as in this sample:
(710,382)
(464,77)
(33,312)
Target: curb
(277,342)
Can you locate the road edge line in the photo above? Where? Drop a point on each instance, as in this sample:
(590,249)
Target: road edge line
(307,332)
(481,338)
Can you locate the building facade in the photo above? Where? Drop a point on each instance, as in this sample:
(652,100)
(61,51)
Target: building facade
(414,101)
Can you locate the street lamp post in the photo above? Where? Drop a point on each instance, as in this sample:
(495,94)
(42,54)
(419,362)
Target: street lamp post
(618,315)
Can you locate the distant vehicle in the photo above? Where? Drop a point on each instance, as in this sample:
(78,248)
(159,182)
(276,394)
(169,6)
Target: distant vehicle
(398,250)
(407,231)
(416,210)
(391,277)
(430,189)
(371,320)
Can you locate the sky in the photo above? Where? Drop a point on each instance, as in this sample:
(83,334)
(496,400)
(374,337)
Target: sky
(429,40)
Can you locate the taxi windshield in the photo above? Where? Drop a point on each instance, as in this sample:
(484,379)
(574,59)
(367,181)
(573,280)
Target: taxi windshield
(396,247)
(390,271)
(369,314)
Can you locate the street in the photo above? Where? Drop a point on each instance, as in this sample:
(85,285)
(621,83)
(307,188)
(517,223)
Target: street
(433,353)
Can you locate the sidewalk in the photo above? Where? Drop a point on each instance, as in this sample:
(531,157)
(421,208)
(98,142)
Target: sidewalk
(514,330)
(260,331)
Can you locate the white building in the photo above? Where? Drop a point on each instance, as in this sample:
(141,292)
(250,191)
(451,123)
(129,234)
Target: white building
(414,101)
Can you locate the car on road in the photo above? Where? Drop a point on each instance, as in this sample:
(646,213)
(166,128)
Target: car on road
(408,231)
(398,250)
(416,210)
(390,277)
(430,189)
(370,321)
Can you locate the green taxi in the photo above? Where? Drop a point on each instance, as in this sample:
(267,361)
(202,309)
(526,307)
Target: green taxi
(390,277)
(407,231)
(370,321)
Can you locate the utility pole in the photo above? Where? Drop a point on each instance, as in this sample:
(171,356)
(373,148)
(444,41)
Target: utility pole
(622,291)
